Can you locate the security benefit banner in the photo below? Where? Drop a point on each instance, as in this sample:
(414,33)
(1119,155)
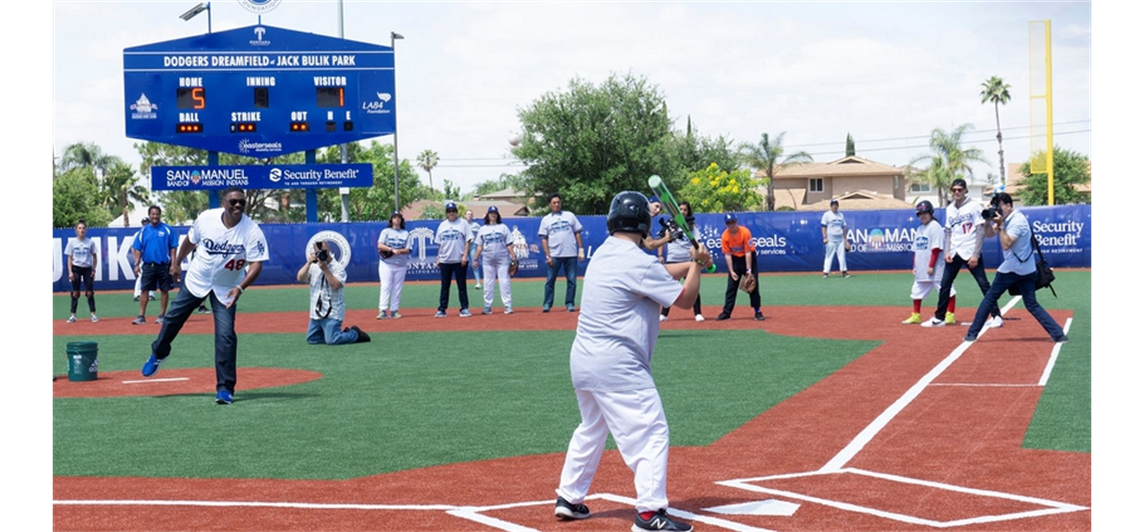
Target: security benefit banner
(785,242)
(262,176)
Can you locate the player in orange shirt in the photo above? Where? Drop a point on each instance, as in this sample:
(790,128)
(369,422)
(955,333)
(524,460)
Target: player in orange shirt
(739,249)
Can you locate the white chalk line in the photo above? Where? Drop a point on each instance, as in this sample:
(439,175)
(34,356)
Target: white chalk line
(148,381)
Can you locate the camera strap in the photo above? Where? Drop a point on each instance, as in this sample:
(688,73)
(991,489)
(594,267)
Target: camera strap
(324,290)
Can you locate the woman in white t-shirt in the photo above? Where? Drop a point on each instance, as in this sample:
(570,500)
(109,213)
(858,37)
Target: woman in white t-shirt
(494,243)
(394,247)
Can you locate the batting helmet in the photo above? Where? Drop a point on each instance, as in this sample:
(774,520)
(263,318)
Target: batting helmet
(925,206)
(629,212)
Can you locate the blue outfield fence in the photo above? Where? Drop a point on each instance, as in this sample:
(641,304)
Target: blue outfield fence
(786,242)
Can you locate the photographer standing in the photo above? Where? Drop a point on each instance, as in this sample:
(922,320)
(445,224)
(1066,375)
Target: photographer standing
(327,300)
(1017,269)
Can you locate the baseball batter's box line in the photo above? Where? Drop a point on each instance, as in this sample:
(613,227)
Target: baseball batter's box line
(1051,507)
(867,434)
(472,513)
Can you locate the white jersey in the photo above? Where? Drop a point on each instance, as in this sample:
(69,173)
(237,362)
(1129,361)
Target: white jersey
(325,302)
(624,290)
(222,254)
(452,239)
(495,240)
(560,228)
(963,223)
(396,239)
(835,224)
(81,251)
(929,237)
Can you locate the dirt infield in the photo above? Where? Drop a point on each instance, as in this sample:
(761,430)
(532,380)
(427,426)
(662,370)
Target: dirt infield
(922,432)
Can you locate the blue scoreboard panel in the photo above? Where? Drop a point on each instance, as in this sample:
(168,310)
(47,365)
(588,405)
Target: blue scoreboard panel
(258,91)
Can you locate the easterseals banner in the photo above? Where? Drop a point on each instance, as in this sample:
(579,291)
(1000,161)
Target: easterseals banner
(785,242)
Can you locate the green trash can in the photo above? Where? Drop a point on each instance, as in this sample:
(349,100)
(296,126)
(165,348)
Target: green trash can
(83,363)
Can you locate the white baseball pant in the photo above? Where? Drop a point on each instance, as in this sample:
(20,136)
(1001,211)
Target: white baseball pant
(392,278)
(833,248)
(496,268)
(636,421)
(922,288)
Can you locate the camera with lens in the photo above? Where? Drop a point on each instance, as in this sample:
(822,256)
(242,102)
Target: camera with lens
(323,255)
(990,212)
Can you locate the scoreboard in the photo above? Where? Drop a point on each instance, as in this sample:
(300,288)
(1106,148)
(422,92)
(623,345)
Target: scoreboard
(258,91)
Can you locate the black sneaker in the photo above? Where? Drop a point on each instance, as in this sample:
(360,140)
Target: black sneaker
(759,316)
(567,510)
(362,337)
(722,317)
(660,521)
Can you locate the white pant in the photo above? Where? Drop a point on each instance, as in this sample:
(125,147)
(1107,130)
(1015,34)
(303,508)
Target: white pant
(636,421)
(832,248)
(392,279)
(497,268)
(922,288)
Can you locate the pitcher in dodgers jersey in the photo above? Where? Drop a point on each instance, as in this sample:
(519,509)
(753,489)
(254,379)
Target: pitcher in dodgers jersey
(229,251)
(965,234)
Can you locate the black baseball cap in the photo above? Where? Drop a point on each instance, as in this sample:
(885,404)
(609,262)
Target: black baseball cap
(959,182)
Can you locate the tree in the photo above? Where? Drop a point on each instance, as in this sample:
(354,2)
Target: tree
(428,160)
(87,155)
(376,202)
(716,190)
(75,195)
(696,152)
(768,157)
(948,160)
(1070,169)
(997,91)
(849,146)
(589,142)
(451,191)
(120,188)
(505,181)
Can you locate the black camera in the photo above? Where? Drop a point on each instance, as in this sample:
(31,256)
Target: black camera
(990,212)
(323,255)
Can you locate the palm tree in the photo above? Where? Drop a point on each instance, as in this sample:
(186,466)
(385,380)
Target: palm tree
(767,157)
(87,155)
(948,160)
(428,161)
(119,187)
(997,91)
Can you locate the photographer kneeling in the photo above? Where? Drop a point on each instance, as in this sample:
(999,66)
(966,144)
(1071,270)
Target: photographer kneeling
(1019,268)
(327,300)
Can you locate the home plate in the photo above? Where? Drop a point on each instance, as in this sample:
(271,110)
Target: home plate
(767,507)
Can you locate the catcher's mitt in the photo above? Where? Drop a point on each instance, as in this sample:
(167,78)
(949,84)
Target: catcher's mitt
(747,283)
(385,254)
(513,267)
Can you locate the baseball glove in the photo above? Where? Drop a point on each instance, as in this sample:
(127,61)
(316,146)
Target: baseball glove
(747,283)
(385,254)
(513,267)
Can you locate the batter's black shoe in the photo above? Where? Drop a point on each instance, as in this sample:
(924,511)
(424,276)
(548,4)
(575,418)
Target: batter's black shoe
(362,337)
(660,521)
(722,317)
(567,510)
(759,316)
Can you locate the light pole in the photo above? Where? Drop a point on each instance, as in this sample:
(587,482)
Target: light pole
(194,12)
(393,37)
(344,192)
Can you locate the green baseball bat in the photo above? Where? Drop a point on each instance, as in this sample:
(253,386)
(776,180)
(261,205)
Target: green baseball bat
(656,184)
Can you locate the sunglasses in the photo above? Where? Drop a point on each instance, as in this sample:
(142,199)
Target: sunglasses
(958,189)
(451,210)
(237,203)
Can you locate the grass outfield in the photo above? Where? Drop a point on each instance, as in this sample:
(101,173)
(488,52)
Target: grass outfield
(411,400)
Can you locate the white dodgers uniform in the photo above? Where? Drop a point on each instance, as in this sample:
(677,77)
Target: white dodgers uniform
(962,224)
(835,224)
(624,289)
(928,238)
(494,240)
(222,254)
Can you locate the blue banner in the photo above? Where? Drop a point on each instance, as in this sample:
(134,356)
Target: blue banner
(262,176)
(786,242)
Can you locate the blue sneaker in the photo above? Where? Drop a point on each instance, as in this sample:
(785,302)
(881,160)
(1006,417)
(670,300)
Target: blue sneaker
(508,310)
(151,366)
(224,398)
(487,310)
(465,313)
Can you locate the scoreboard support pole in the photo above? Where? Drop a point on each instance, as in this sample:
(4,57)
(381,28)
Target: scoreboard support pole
(213,199)
(311,193)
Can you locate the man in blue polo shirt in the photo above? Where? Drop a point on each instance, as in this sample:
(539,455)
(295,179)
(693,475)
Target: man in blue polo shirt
(154,252)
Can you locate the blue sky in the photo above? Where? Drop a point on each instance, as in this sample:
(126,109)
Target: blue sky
(885,73)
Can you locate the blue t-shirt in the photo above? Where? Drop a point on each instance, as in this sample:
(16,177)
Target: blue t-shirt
(1019,257)
(155,242)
